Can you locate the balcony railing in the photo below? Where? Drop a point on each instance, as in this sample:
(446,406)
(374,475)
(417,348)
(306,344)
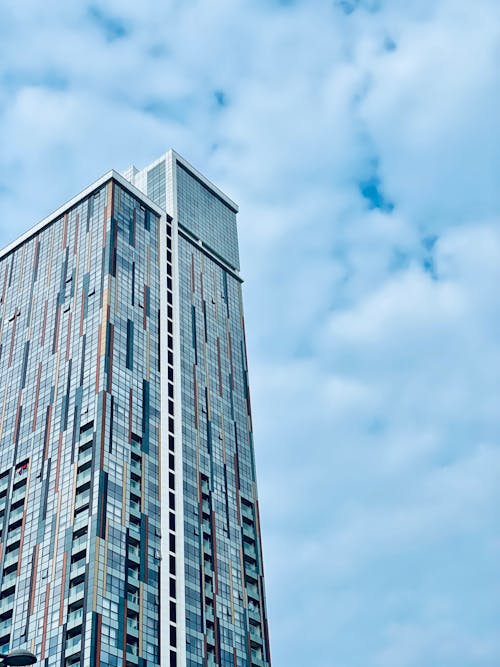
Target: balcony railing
(133,576)
(135,465)
(5,627)
(16,514)
(248,530)
(76,592)
(6,603)
(83,477)
(18,494)
(87,437)
(11,558)
(249,550)
(135,486)
(135,507)
(9,580)
(132,649)
(79,544)
(82,499)
(133,598)
(246,511)
(73,644)
(257,659)
(75,617)
(134,552)
(132,626)
(21,473)
(13,535)
(85,456)
(254,612)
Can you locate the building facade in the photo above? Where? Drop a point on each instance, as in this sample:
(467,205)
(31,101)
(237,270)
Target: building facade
(128,505)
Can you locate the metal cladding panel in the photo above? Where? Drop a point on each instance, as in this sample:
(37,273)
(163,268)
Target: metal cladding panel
(225,610)
(127,482)
(226,620)
(79,434)
(207,216)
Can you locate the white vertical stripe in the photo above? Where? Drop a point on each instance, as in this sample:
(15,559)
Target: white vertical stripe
(163,455)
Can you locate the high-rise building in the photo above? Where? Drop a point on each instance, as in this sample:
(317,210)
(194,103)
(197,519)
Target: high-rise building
(128,506)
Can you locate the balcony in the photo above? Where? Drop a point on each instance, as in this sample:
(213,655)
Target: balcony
(13,536)
(133,601)
(135,508)
(136,466)
(73,662)
(254,612)
(132,650)
(135,486)
(133,626)
(73,645)
(5,627)
(19,494)
(80,521)
(253,591)
(248,531)
(135,531)
(136,446)
(16,514)
(134,552)
(249,550)
(6,604)
(82,499)
(255,634)
(257,658)
(85,456)
(76,593)
(133,577)
(80,544)
(78,568)
(75,618)
(21,473)
(247,511)
(9,580)
(11,558)
(83,477)
(86,438)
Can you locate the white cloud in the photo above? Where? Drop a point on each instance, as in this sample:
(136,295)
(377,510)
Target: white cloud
(373,336)
(438,104)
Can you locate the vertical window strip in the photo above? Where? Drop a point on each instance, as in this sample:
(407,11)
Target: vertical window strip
(130,344)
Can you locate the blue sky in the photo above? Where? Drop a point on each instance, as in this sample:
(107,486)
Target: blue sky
(362,141)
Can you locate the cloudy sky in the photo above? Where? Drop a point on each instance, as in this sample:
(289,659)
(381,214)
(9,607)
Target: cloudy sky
(362,141)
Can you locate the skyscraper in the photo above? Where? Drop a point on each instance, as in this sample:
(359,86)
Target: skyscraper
(128,505)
